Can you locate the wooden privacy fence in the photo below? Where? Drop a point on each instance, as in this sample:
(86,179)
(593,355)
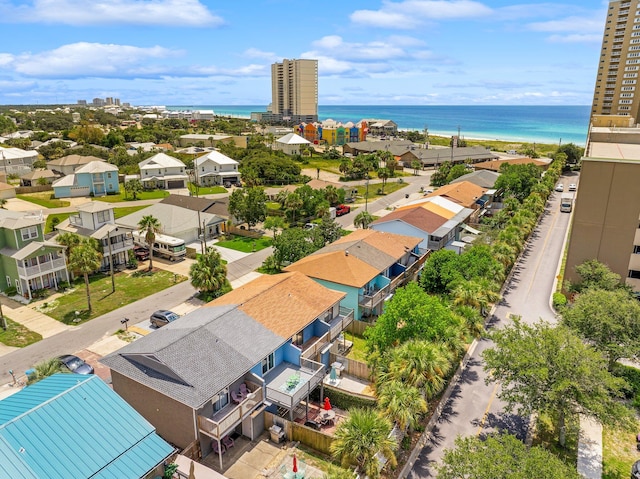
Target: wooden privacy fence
(352,367)
(20,190)
(242,232)
(358,327)
(297,432)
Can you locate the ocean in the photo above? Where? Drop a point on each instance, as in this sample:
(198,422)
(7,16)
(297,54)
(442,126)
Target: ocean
(542,124)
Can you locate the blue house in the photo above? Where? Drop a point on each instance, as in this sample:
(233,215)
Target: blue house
(96,178)
(212,373)
(367,266)
(69,425)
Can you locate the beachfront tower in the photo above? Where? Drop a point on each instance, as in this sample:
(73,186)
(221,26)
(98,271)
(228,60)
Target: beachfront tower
(616,91)
(294,90)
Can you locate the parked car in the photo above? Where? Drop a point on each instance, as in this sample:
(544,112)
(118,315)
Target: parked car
(141,253)
(559,187)
(162,317)
(75,364)
(573,187)
(342,210)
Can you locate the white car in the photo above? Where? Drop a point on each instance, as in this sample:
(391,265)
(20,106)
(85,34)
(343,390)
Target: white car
(559,187)
(572,187)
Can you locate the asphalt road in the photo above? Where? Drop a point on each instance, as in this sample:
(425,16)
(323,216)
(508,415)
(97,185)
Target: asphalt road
(474,408)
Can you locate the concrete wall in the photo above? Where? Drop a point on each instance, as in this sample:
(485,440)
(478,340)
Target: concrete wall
(173,421)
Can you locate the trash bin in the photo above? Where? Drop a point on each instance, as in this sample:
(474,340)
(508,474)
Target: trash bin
(277,434)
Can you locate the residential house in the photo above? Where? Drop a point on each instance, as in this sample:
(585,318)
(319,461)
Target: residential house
(71,425)
(214,371)
(367,265)
(434,157)
(467,194)
(96,178)
(495,165)
(179,222)
(214,168)
(37,177)
(217,206)
(484,178)
(95,219)
(27,261)
(382,127)
(15,161)
(396,147)
(291,144)
(163,171)
(67,165)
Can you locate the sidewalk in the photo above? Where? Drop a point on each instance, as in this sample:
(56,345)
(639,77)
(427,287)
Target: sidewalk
(590,448)
(32,319)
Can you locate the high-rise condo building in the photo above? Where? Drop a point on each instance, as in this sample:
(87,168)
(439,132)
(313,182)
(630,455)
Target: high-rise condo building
(294,90)
(616,90)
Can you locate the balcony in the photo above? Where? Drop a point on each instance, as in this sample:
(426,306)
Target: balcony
(42,268)
(312,347)
(75,220)
(287,384)
(119,246)
(229,416)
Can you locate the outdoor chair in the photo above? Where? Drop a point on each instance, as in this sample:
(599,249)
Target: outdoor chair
(244,392)
(236,397)
(227,441)
(221,451)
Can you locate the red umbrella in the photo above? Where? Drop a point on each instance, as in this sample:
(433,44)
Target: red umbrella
(295,464)
(327,404)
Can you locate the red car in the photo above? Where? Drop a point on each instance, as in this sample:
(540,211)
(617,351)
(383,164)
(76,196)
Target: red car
(342,210)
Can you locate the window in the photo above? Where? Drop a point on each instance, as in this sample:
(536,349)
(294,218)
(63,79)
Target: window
(636,250)
(9,281)
(103,216)
(29,233)
(268,363)
(634,274)
(222,401)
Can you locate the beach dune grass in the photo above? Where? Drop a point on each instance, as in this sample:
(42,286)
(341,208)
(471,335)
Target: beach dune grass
(129,288)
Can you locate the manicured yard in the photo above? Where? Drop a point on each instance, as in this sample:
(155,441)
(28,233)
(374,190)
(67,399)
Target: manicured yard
(124,196)
(48,227)
(619,452)
(246,245)
(206,190)
(44,199)
(17,335)
(129,288)
(391,186)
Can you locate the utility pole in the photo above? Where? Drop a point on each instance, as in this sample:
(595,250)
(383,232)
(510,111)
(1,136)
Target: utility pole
(366,195)
(113,282)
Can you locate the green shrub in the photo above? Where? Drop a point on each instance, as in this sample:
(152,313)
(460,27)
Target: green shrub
(632,376)
(11,291)
(343,400)
(559,300)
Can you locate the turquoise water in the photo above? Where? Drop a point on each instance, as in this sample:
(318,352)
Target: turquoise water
(543,124)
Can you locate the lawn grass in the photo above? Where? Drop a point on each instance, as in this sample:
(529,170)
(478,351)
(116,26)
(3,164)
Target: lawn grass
(44,199)
(359,349)
(126,210)
(246,245)
(206,190)
(391,186)
(618,452)
(129,288)
(17,335)
(143,195)
(48,227)
(546,436)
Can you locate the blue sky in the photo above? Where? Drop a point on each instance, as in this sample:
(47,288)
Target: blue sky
(400,52)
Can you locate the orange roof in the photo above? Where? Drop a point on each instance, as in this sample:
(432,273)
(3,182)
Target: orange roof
(496,164)
(284,303)
(336,267)
(421,218)
(463,192)
(392,244)
(430,206)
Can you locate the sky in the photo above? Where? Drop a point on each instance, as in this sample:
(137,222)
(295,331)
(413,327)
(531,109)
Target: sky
(370,52)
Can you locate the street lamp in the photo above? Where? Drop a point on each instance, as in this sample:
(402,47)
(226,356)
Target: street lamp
(113,281)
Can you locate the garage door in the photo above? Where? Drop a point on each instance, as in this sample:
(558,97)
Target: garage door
(79,191)
(175,184)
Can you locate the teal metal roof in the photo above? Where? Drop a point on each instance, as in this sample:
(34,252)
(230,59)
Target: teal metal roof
(68,426)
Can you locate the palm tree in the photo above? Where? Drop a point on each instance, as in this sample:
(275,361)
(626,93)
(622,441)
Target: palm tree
(85,259)
(475,293)
(209,273)
(331,194)
(150,226)
(292,204)
(360,437)
(363,219)
(134,187)
(68,239)
(403,404)
(383,174)
(46,368)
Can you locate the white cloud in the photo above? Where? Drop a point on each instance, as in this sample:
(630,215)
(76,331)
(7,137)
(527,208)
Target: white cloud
(384,19)
(569,24)
(100,12)
(90,59)
(257,53)
(336,47)
(576,38)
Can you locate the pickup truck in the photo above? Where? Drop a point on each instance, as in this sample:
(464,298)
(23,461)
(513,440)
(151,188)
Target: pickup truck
(342,210)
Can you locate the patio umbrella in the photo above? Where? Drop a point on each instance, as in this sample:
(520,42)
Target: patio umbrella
(327,404)
(333,376)
(295,463)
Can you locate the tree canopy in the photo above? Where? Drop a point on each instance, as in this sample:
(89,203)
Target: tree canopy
(209,274)
(501,456)
(249,205)
(517,180)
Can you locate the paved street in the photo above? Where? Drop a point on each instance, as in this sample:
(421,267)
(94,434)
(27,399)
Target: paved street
(473,407)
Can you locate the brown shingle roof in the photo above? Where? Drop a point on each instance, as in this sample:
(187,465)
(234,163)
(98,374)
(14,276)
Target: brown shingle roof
(284,303)
(421,218)
(464,193)
(495,165)
(218,207)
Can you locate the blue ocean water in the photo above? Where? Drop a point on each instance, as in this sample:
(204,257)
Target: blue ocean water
(542,124)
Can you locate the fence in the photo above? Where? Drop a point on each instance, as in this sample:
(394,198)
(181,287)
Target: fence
(352,367)
(316,440)
(32,189)
(241,232)
(358,327)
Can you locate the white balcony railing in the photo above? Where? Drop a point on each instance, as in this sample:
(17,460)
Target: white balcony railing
(222,422)
(42,268)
